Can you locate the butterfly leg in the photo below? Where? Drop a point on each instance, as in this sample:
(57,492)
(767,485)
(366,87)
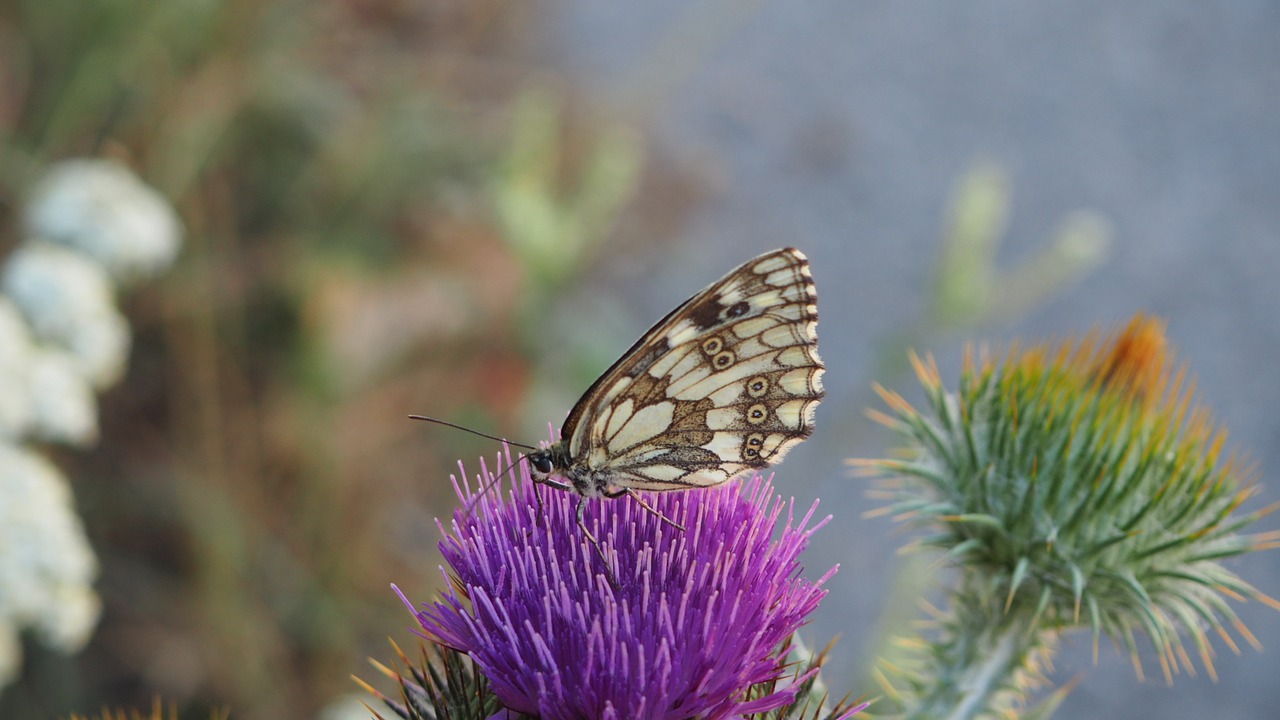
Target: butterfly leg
(652,510)
(537,496)
(582,525)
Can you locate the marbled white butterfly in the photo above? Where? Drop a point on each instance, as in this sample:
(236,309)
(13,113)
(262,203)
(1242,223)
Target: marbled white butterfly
(724,384)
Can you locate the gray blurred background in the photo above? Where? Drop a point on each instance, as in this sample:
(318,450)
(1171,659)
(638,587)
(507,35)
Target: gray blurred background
(843,128)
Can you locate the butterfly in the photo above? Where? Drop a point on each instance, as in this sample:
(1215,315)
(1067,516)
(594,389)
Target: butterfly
(725,384)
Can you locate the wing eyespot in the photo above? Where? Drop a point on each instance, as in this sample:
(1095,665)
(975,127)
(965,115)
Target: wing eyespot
(757,414)
(757,386)
(738,309)
(712,345)
(722,360)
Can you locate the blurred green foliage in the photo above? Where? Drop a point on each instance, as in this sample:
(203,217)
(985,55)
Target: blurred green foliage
(377,194)
(552,229)
(970,290)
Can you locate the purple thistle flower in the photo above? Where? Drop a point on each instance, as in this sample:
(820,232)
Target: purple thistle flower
(699,616)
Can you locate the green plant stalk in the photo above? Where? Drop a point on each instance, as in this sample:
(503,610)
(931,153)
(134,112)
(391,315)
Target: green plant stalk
(981,665)
(977,683)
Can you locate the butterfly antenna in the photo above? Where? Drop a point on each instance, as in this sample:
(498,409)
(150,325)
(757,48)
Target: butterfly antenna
(473,432)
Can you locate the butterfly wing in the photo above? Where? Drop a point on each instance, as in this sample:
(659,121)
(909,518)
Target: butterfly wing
(725,383)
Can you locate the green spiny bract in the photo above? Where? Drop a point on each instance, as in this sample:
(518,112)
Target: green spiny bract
(1078,486)
(443,685)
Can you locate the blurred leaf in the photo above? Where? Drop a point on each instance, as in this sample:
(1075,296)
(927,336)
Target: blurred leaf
(970,289)
(554,221)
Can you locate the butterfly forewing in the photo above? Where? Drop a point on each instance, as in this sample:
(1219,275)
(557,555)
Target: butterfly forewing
(725,383)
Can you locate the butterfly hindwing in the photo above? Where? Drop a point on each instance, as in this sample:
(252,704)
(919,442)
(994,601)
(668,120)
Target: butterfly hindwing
(725,383)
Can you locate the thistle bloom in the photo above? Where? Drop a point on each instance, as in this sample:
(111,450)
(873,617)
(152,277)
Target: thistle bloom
(1075,486)
(698,619)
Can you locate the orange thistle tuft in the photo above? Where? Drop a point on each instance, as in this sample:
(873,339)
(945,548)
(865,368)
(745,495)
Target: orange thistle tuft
(1136,361)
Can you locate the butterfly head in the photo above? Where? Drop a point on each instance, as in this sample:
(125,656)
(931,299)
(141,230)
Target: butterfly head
(540,464)
(547,462)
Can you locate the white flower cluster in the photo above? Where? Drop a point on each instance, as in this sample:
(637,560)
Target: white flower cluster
(90,225)
(46,566)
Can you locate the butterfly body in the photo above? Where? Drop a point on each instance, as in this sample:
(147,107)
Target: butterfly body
(726,383)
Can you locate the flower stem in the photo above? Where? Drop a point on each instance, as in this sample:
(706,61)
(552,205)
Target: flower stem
(980,666)
(983,678)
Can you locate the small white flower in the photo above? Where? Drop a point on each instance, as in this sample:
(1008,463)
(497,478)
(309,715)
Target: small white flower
(67,300)
(102,209)
(63,406)
(10,652)
(46,566)
(15,361)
